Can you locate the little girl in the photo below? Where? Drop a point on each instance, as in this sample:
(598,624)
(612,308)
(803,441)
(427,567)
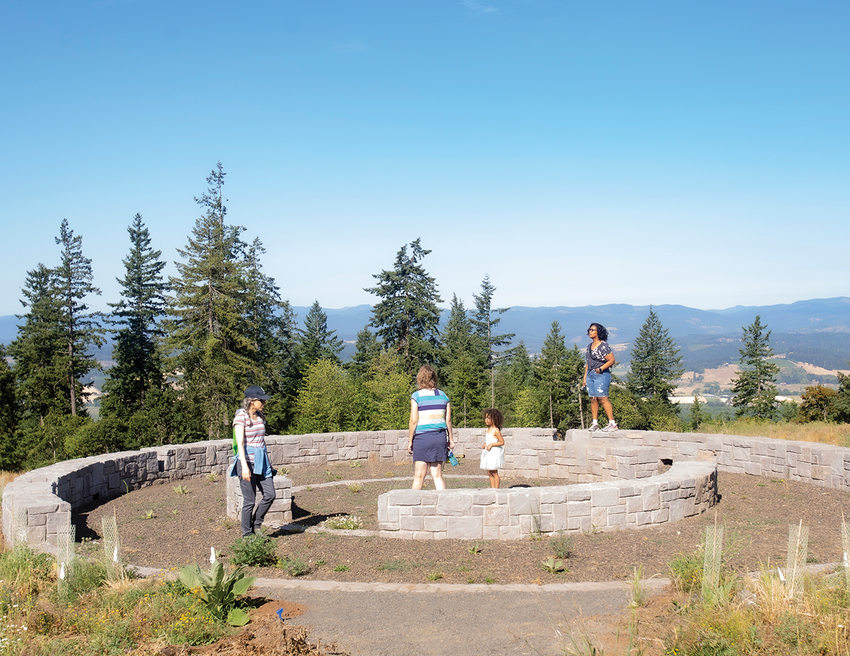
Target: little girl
(493,452)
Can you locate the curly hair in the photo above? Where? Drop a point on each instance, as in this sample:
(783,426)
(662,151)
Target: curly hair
(601,331)
(495,416)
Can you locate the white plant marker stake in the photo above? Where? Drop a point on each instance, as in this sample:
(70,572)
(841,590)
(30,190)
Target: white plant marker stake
(62,571)
(212,555)
(781,575)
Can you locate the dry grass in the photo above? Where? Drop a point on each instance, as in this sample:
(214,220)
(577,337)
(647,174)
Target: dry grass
(816,431)
(5,478)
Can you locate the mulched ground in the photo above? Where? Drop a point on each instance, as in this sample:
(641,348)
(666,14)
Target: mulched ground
(175,524)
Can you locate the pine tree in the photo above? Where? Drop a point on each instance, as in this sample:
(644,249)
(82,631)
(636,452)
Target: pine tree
(138,365)
(485,319)
(656,363)
(37,350)
(10,457)
(209,334)
(316,341)
(754,392)
(407,317)
(464,365)
(80,329)
(366,349)
(557,370)
(697,413)
(272,333)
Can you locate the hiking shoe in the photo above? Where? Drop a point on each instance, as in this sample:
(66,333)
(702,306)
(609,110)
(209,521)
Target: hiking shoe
(610,428)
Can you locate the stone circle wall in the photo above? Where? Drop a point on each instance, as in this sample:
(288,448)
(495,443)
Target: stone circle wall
(38,505)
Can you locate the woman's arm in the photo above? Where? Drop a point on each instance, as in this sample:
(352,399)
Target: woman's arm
(609,362)
(411,425)
(239,431)
(449,426)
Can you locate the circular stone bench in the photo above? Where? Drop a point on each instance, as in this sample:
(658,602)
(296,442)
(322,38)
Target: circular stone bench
(38,505)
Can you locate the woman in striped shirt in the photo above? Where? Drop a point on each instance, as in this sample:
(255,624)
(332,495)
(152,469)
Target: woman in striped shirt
(430,429)
(252,464)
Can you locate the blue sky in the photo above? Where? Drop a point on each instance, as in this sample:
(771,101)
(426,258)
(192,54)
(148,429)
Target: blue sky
(578,153)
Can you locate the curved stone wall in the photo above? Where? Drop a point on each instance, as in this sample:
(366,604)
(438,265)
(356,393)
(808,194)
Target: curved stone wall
(38,505)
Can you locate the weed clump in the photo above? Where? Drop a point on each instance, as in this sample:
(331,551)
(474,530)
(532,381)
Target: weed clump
(257,550)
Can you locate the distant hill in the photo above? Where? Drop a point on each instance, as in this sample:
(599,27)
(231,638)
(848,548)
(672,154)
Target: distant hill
(816,331)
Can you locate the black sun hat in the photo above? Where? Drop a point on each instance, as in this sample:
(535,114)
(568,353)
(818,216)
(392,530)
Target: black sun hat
(256,392)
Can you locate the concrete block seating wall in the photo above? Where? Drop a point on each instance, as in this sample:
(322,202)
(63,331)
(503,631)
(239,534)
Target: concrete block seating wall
(279,513)
(37,505)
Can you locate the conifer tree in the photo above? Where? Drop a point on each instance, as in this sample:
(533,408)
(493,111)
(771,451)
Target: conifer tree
(272,333)
(754,390)
(316,342)
(464,365)
(79,327)
(697,413)
(37,349)
(208,331)
(558,371)
(366,349)
(138,365)
(10,458)
(407,317)
(485,319)
(656,363)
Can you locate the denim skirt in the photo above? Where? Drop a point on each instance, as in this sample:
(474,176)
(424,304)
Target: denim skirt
(431,446)
(597,384)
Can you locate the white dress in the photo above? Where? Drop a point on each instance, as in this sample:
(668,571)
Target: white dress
(495,457)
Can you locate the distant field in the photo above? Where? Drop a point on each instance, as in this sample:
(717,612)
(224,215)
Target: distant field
(816,431)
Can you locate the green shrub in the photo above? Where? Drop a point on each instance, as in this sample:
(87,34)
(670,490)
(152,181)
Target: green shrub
(562,546)
(344,522)
(219,590)
(81,577)
(294,566)
(257,550)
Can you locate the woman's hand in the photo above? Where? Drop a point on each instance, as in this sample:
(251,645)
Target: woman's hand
(410,447)
(246,472)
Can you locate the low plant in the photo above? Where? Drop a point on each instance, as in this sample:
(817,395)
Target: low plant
(219,590)
(686,570)
(553,565)
(212,477)
(257,550)
(150,514)
(355,488)
(181,489)
(475,549)
(344,522)
(395,565)
(434,576)
(355,464)
(293,566)
(562,546)
(332,475)
(636,592)
(341,568)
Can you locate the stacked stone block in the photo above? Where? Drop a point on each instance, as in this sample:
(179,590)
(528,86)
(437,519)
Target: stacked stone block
(279,513)
(686,489)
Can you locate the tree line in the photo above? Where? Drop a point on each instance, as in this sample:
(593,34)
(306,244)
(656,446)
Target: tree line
(185,347)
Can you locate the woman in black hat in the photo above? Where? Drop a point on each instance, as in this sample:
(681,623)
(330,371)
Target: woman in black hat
(252,464)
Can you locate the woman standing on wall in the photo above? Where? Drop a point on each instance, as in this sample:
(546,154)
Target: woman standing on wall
(252,464)
(598,360)
(430,429)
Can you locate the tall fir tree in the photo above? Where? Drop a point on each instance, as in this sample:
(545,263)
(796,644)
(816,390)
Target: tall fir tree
(656,363)
(407,317)
(270,321)
(754,391)
(209,336)
(464,366)
(80,329)
(10,457)
(484,320)
(316,341)
(138,365)
(558,374)
(367,348)
(37,350)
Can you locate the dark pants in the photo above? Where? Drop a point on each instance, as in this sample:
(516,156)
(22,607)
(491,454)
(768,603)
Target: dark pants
(252,521)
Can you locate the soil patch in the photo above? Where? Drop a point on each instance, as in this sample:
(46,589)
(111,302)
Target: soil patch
(174,524)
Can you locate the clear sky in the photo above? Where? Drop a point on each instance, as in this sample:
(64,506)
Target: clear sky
(577,152)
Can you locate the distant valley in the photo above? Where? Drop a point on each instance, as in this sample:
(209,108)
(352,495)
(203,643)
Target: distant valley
(811,338)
